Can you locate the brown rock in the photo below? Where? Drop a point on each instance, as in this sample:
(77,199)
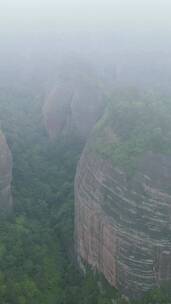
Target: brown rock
(75,103)
(123,226)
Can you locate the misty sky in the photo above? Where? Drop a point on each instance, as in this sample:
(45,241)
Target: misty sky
(55,15)
(132,35)
(126,26)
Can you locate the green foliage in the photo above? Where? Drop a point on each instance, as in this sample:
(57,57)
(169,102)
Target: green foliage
(36,242)
(133,124)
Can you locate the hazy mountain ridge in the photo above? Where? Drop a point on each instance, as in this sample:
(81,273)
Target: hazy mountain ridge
(75,103)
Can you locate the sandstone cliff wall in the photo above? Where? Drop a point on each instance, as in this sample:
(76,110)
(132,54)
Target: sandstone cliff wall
(74,104)
(123,229)
(123,197)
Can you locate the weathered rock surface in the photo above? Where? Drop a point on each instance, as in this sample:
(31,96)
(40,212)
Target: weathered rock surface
(75,103)
(5,174)
(123,221)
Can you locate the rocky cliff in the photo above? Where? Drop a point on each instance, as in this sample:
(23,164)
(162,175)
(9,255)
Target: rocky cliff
(5,174)
(75,102)
(123,194)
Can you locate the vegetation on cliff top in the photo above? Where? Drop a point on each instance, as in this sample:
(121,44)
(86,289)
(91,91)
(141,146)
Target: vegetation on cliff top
(133,124)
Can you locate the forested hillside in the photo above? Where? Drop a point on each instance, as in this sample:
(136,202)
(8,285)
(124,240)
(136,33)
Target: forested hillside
(85,152)
(37,262)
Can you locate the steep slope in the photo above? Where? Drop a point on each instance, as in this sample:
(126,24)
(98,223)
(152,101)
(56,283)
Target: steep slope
(75,103)
(123,194)
(5,174)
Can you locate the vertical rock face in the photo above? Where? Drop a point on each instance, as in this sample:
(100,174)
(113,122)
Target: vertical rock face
(5,174)
(123,199)
(75,103)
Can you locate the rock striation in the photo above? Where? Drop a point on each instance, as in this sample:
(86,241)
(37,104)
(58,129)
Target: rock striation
(75,102)
(5,174)
(123,195)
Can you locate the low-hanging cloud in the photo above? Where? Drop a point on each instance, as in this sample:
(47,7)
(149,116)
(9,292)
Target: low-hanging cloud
(50,15)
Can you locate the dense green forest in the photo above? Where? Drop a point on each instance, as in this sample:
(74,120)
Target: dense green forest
(129,116)
(36,242)
(37,263)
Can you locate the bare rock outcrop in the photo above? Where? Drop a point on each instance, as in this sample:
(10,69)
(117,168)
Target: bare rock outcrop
(75,103)
(5,174)
(123,198)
